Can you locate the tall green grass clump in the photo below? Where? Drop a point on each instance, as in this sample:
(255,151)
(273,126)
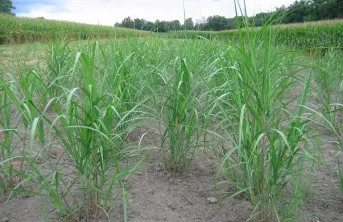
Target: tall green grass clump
(328,74)
(182,117)
(6,137)
(88,118)
(267,147)
(17,103)
(178,102)
(58,62)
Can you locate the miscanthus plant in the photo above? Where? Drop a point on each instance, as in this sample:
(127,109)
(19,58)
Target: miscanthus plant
(182,120)
(58,63)
(89,119)
(328,74)
(328,71)
(14,113)
(266,133)
(7,131)
(179,103)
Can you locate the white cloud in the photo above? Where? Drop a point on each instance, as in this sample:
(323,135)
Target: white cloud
(107,12)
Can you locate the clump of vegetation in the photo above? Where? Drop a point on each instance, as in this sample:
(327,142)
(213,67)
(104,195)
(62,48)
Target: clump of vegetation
(266,140)
(181,117)
(90,124)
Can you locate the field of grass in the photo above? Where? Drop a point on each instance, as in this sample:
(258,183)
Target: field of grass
(263,113)
(14,30)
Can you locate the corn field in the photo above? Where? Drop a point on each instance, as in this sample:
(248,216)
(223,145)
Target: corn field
(23,30)
(323,34)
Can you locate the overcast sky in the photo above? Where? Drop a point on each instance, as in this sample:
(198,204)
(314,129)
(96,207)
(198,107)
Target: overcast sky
(107,12)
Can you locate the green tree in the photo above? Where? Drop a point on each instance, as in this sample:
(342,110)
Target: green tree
(163,26)
(339,8)
(175,25)
(314,10)
(157,26)
(139,23)
(298,11)
(324,9)
(149,26)
(217,23)
(189,25)
(127,23)
(6,6)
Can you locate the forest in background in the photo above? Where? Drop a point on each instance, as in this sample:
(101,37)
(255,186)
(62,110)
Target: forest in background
(299,11)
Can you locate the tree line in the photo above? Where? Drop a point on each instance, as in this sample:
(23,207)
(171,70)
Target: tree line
(299,11)
(6,7)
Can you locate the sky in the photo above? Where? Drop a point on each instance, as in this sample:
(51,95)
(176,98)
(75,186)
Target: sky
(108,12)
